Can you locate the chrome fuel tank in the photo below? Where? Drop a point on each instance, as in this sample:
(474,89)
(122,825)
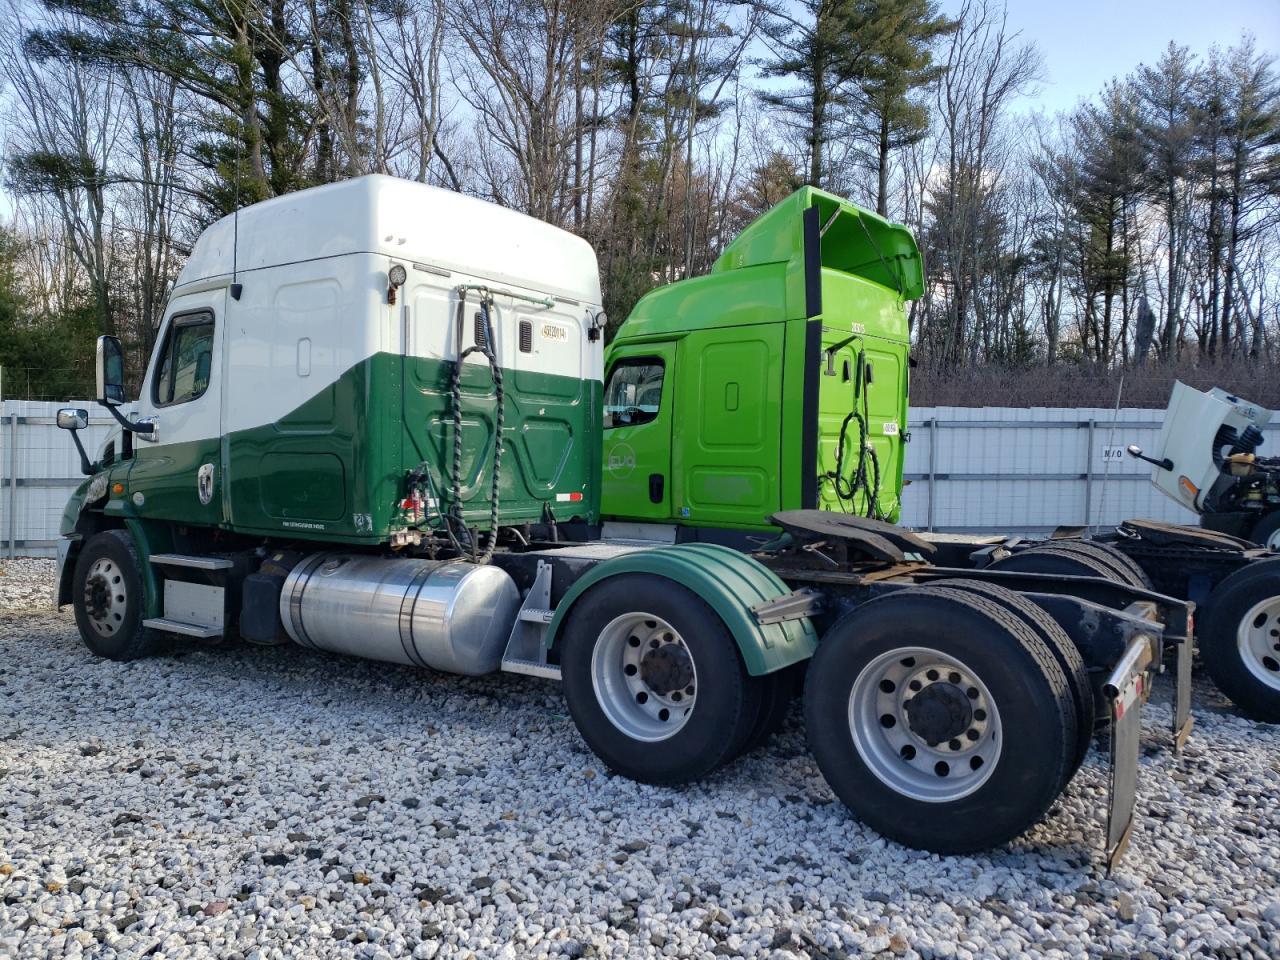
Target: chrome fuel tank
(448,615)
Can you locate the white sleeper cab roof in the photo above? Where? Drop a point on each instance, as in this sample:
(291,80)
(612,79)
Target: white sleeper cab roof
(409,221)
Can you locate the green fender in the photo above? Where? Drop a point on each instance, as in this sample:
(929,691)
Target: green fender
(731,583)
(150,536)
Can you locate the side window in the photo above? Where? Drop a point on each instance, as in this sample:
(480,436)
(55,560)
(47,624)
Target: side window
(185,360)
(634,392)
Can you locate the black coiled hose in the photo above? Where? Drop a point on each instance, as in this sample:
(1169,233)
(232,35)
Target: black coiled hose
(862,481)
(455,519)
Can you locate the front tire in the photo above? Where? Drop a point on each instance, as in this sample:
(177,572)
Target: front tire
(972,766)
(654,681)
(1240,639)
(108,597)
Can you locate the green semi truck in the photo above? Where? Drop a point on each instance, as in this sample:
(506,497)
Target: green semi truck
(762,379)
(375,421)
(755,404)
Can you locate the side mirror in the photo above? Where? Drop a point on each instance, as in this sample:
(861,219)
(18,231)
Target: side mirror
(72,418)
(110,371)
(75,419)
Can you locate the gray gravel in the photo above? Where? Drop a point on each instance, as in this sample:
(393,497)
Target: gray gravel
(242,802)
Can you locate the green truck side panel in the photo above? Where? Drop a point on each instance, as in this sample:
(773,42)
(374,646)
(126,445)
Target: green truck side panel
(732,440)
(334,468)
(729,582)
(165,475)
(725,448)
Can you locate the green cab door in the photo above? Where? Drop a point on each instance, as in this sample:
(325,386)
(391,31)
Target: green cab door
(638,400)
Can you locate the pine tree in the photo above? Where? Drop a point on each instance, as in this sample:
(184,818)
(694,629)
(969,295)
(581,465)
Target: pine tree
(1167,127)
(812,44)
(899,35)
(232,56)
(1250,176)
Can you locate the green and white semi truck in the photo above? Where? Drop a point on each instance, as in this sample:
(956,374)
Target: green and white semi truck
(374,424)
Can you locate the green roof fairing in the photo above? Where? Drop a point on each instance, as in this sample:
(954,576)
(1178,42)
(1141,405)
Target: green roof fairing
(854,240)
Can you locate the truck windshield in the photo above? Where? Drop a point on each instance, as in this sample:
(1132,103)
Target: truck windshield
(634,393)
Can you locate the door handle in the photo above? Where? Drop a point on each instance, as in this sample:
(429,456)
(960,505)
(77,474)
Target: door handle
(655,487)
(154,435)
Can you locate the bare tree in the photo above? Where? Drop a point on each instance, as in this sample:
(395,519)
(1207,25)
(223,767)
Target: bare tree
(66,124)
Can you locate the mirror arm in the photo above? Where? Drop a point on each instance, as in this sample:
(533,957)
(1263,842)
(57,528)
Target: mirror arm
(1165,464)
(87,467)
(125,422)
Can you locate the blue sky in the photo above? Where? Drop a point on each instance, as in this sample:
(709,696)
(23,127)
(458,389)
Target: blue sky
(1087,42)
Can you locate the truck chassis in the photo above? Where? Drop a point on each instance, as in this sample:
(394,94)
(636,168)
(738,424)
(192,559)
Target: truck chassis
(947,705)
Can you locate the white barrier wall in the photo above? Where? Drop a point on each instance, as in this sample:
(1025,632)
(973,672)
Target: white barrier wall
(43,461)
(1028,470)
(970,469)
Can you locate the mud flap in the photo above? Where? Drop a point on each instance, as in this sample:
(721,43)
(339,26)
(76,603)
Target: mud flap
(1182,694)
(1125,691)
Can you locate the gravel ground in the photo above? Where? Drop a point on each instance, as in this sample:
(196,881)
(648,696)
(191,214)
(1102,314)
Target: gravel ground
(242,802)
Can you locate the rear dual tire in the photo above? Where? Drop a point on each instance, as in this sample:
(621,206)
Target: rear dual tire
(1233,629)
(1078,558)
(981,760)
(1064,651)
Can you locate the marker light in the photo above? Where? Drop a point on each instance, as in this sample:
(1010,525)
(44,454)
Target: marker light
(396,277)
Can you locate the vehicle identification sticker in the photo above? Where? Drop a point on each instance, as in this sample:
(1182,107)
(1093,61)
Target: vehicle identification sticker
(891,428)
(554,331)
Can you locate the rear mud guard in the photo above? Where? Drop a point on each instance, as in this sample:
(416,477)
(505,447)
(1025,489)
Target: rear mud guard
(1182,694)
(1125,691)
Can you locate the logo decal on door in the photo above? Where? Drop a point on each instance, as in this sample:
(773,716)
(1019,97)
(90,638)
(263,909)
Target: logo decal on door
(622,460)
(204,483)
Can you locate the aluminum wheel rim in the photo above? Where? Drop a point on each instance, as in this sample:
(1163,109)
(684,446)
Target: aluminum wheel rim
(1258,640)
(644,677)
(898,753)
(105,596)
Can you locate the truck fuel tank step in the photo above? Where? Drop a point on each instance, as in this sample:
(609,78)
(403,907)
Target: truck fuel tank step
(197,630)
(191,563)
